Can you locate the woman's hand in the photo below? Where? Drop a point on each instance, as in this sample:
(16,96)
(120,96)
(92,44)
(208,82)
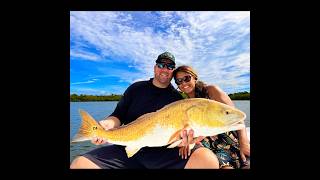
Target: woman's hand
(187,143)
(244,149)
(244,144)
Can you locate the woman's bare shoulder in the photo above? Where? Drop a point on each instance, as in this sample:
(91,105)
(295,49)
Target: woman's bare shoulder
(214,89)
(216,93)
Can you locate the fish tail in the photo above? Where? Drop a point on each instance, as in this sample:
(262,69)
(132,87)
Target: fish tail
(89,128)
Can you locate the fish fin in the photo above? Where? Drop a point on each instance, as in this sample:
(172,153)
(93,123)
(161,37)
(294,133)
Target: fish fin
(191,146)
(175,136)
(175,144)
(132,151)
(88,128)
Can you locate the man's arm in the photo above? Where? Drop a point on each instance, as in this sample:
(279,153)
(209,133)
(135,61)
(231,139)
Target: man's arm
(110,122)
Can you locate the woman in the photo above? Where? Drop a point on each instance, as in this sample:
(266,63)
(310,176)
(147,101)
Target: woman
(231,148)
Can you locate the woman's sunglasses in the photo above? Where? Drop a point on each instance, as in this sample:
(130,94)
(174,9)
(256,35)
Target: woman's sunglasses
(186,79)
(169,66)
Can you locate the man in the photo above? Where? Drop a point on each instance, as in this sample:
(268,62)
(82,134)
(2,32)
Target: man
(141,98)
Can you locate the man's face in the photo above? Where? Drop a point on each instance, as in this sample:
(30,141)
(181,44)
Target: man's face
(163,71)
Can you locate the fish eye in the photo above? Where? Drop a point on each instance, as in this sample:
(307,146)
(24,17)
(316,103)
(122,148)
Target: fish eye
(227,112)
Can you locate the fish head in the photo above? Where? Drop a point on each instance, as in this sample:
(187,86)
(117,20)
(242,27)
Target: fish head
(224,113)
(211,114)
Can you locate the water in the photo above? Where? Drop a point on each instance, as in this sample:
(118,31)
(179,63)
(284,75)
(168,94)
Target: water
(99,110)
(245,107)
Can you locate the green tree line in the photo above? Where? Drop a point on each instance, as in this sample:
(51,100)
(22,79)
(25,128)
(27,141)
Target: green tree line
(83,97)
(114,97)
(240,96)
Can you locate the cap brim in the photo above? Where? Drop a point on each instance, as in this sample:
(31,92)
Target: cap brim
(165,61)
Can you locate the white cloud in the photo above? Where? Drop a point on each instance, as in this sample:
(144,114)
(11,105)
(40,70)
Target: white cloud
(84,55)
(208,41)
(84,82)
(121,74)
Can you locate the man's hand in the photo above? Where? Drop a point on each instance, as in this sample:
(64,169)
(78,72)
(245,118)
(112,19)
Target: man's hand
(106,124)
(98,141)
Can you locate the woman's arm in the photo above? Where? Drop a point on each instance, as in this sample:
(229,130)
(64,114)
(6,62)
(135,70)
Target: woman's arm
(217,94)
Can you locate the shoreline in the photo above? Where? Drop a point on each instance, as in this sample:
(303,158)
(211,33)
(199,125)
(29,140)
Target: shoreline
(118,100)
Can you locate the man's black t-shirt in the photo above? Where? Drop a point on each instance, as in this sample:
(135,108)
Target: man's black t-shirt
(143,97)
(140,98)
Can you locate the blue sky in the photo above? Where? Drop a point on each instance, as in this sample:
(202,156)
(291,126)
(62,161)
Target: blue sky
(111,50)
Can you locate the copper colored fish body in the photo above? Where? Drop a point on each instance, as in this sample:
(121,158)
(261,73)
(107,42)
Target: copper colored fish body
(163,127)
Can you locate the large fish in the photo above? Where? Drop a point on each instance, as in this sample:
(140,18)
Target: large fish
(163,127)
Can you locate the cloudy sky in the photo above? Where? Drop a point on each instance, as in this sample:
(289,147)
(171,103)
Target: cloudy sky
(111,50)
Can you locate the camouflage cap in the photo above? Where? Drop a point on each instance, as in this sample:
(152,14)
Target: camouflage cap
(166,55)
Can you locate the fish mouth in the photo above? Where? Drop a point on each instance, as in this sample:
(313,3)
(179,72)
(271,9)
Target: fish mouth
(244,117)
(236,120)
(236,126)
(241,120)
(239,114)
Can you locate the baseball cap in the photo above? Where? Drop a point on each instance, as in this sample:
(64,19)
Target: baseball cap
(166,55)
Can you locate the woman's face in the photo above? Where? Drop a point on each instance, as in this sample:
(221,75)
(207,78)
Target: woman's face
(187,81)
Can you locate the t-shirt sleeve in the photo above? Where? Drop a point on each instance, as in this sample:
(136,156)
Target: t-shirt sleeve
(122,107)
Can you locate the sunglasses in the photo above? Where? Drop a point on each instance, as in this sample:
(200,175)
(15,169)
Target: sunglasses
(169,66)
(186,78)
